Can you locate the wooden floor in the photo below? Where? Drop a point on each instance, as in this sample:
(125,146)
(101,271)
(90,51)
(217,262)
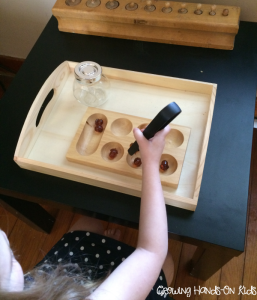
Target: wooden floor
(30,246)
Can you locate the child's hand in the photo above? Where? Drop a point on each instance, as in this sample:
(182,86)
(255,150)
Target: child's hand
(151,150)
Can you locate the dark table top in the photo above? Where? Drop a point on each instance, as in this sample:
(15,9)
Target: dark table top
(220,216)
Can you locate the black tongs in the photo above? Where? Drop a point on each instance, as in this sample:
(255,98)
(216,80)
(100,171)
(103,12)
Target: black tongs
(161,120)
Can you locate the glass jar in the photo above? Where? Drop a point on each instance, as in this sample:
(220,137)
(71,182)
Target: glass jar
(90,86)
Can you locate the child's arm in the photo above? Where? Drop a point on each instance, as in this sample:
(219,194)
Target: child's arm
(135,276)
(153,220)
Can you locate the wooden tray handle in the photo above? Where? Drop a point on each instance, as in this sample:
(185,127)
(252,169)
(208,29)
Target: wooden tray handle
(41,109)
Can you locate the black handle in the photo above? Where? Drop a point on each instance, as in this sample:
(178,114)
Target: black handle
(161,120)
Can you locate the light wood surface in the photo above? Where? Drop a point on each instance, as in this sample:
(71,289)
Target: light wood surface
(190,29)
(43,148)
(92,148)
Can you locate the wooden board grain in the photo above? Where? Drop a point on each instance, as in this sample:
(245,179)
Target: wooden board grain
(231,276)
(210,283)
(92,148)
(7,221)
(175,247)
(61,226)
(183,279)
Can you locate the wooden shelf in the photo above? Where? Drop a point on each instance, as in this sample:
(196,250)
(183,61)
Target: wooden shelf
(190,29)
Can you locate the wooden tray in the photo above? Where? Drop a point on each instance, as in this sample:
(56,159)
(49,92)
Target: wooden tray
(92,148)
(43,148)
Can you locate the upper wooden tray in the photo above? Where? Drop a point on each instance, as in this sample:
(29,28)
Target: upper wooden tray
(43,148)
(190,29)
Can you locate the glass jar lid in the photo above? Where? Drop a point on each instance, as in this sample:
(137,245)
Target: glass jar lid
(88,72)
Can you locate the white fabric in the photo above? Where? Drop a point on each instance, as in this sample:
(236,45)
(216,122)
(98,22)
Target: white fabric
(11,274)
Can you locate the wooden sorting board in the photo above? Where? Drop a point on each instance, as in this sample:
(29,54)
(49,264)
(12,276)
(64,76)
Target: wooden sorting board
(216,30)
(92,148)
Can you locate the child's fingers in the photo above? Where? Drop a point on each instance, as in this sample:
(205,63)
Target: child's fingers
(138,134)
(159,135)
(166,130)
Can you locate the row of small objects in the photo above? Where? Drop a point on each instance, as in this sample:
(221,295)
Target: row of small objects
(112,4)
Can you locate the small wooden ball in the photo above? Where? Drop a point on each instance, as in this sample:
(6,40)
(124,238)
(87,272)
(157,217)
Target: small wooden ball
(213,10)
(198,10)
(225,12)
(164,165)
(98,121)
(99,128)
(183,9)
(137,162)
(113,153)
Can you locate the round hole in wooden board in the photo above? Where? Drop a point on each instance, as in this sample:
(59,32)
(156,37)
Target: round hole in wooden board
(130,160)
(174,138)
(143,126)
(106,149)
(121,127)
(172,162)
